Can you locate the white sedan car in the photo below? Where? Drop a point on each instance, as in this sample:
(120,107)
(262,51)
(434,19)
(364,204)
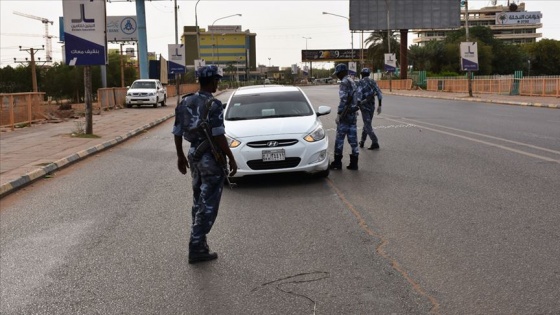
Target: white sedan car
(275,129)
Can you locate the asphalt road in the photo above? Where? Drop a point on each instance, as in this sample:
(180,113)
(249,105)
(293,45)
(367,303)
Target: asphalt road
(458,213)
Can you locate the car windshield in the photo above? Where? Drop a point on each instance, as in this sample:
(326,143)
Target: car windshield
(143,85)
(268,105)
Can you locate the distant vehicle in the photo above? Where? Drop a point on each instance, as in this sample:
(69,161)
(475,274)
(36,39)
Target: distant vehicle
(146,92)
(275,129)
(323,81)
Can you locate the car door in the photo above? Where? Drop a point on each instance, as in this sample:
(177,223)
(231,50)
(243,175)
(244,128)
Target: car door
(160,91)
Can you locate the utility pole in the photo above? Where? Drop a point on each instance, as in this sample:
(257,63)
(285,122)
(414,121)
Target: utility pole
(389,43)
(122,65)
(469,81)
(32,62)
(88,100)
(177,75)
(48,37)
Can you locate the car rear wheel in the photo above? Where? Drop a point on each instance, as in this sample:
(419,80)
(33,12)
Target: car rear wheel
(155,104)
(164,100)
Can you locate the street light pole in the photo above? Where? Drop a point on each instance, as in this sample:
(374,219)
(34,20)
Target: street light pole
(306,38)
(469,81)
(389,42)
(351,33)
(213,33)
(197,32)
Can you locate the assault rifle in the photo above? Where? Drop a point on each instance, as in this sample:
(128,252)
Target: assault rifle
(216,152)
(347,106)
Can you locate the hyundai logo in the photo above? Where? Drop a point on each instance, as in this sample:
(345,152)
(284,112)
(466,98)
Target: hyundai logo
(272,144)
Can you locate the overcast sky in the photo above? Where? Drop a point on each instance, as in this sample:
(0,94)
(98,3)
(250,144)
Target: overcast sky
(280,25)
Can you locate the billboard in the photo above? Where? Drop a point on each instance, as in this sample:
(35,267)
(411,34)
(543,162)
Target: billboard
(85,42)
(514,18)
(330,55)
(122,28)
(404,14)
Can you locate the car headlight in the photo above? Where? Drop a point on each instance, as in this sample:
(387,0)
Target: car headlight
(151,94)
(128,94)
(233,143)
(315,135)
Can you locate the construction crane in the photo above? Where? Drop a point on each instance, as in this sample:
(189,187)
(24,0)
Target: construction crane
(48,42)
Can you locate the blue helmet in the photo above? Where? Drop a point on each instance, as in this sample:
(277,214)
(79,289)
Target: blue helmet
(208,72)
(365,71)
(339,68)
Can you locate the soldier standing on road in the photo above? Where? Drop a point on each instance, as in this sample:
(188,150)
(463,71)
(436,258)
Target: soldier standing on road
(346,119)
(368,89)
(208,174)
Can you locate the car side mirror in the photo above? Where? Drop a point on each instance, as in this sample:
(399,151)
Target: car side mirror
(323,110)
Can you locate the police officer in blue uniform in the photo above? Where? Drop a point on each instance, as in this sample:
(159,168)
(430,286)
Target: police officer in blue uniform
(346,119)
(368,90)
(208,174)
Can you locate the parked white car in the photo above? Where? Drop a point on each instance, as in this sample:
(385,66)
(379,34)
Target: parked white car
(275,129)
(146,92)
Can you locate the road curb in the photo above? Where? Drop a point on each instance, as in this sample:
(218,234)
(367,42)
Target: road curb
(554,106)
(32,176)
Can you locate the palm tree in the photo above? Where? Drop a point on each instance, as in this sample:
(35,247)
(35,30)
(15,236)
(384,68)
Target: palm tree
(378,47)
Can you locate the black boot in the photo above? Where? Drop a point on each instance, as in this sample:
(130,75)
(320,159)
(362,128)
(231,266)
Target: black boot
(374,146)
(337,163)
(200,253)
(361,144)
(353,162)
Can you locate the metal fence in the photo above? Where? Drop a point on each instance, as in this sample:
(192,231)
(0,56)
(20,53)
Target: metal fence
(509,85)
(21,108)
(26,108)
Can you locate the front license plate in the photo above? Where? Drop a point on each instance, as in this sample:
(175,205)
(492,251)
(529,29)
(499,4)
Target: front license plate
(273,155)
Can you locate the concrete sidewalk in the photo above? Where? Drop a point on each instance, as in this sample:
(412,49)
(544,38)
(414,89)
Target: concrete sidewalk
(31,153)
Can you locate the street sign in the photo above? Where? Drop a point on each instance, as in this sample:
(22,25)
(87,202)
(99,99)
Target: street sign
(84,32)
(469,56)
(352,68)
(390,63)
(177,61)
(122,28)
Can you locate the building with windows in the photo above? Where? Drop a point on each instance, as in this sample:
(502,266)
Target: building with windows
(222,45)
(511,24)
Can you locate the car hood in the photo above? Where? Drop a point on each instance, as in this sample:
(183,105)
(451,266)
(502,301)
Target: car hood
(270,126)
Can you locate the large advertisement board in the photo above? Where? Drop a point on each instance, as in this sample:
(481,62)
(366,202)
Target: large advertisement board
(122,28)
(404,14)
(85,42)
(514,18)
(330,55)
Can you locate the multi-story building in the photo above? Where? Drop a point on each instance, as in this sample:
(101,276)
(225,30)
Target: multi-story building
(511,24)
(223,45)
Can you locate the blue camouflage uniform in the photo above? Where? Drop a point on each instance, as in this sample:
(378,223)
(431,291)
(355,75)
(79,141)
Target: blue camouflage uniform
(347,125)
(207,174)
(367,90)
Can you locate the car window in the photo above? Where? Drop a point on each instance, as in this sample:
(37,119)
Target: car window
(143,85)
(268,105)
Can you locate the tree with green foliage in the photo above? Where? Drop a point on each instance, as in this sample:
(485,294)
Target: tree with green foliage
(544,56)
(378,47)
